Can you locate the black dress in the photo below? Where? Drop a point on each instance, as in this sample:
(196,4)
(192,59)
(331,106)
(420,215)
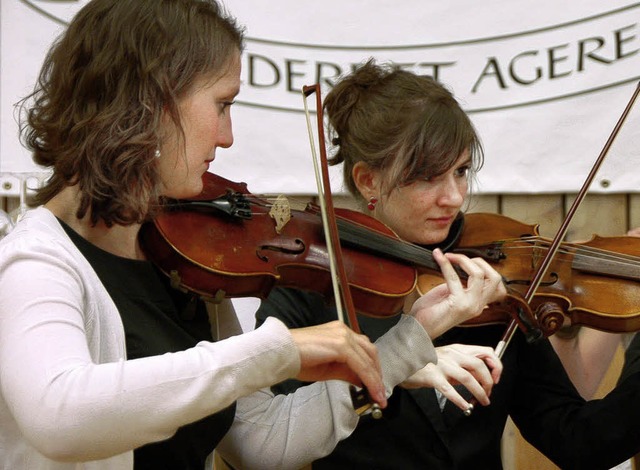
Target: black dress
(158,319)
(534,390)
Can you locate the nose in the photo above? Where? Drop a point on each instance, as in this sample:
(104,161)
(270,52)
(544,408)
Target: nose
(452,192)
(225,133)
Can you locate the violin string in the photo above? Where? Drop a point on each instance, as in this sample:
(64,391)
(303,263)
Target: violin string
(421,256)
(369,239)
(364,237)
(588,259)
(579,250)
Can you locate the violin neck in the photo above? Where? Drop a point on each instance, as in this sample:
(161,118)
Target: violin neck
(618,265)
(365,239)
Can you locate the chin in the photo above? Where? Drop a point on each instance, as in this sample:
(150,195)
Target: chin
(194,190)
(434,236)
(186,191)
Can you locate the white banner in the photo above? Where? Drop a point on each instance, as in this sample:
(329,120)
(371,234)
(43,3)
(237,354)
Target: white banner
(544,83)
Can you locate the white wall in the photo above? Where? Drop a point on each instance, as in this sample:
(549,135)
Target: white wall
(543,81)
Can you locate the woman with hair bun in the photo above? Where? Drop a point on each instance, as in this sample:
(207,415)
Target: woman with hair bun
(409,153)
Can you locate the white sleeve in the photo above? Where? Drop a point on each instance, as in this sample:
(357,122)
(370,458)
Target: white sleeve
(290,431)
(88,410)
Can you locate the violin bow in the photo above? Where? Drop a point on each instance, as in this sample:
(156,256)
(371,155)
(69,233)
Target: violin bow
(562,231)
(342,294)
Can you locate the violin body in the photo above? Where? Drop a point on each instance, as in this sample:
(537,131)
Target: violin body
(238,249)
(217,254)
(594,283)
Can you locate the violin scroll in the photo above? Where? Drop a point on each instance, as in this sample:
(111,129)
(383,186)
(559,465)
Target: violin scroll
(594,283)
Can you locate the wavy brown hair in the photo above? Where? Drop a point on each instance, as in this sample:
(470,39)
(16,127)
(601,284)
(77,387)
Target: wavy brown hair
(410,126)
(95,113)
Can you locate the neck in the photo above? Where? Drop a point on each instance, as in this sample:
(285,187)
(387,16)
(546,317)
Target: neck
(119,240)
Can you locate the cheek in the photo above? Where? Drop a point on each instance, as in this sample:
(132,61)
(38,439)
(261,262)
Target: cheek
(464,187)
(411,219)
(209,122)
(200,125)
(207,129)
(418,206)
(400,213)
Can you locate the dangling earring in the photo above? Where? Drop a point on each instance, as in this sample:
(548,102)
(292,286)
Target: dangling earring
(157,153)
(372,203)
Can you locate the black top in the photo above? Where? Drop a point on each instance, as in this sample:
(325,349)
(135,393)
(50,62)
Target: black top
(631,359)
(534,390)
(158,319)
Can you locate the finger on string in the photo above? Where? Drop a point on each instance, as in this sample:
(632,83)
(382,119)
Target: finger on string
(476,275)
(448,272)
(492,278)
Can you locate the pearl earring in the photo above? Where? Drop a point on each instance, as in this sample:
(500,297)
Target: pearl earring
(157,153)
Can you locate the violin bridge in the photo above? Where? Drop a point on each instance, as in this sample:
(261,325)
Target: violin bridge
(280,212)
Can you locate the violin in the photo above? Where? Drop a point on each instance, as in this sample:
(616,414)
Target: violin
(594,283)
(227,242)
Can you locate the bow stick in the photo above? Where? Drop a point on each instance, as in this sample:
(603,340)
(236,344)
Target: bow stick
(342,294)
(562,231)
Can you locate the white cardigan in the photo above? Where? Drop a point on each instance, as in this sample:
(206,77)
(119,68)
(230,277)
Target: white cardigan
(68,394)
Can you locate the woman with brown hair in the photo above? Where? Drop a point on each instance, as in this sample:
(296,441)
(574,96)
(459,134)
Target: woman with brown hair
(102,363)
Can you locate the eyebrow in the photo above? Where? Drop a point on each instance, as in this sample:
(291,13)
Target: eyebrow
(231,96)
(468,161)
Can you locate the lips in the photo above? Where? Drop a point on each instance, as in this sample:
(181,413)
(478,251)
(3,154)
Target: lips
(442,220)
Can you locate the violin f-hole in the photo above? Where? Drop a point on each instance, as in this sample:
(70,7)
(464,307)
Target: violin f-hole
(290,247)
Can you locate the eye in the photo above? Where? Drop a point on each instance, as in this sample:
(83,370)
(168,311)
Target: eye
(428,179)
(224,105)
(463,171)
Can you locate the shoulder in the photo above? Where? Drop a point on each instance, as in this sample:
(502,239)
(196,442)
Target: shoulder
(38,226)
(38,246)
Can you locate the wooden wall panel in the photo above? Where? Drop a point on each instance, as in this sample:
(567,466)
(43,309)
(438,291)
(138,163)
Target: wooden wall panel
(634,210)
(601,214)
(484,203)
(543,210)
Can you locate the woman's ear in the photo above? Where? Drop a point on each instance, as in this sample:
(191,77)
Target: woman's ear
(366,179)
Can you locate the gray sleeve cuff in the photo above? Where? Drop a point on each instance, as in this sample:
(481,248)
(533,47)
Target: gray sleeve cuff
(403,350)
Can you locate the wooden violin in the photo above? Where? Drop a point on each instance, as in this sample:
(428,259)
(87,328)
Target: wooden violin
(594,283)
(227,242)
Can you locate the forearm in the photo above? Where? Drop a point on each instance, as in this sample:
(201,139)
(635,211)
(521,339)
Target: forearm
(601,434)
(403,350)
(290,431)
(90,411)
(586,356)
